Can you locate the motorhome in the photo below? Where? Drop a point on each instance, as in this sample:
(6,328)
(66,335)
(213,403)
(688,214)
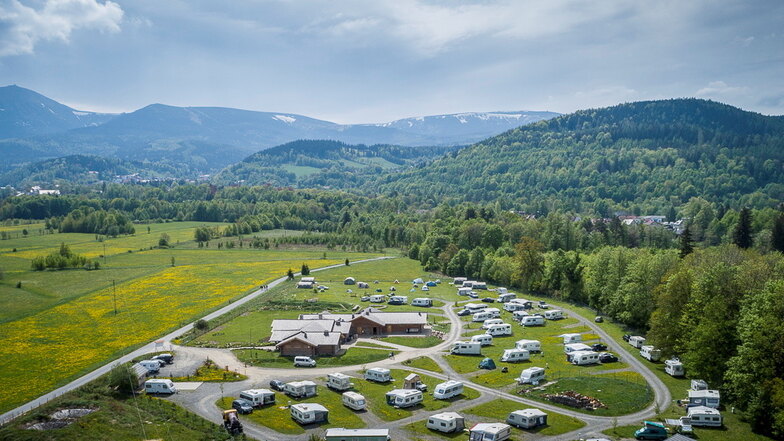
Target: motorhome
(466,348)
(446,422)
(379,375)
(707,398)
(152,366)
(398,300)
(532,375)
(489,432)
(499,330)
(515,355)
(481,316)
(339,381)
(258,397)
(704,416)
(495,321)
(482,339)
(519,314)
(494,311)
(353,400)
(309,413)
(674,367)
(553,314)
(378,298)
(403,398)
(532,320)
(447,390)
(422,301)
(650,353)
(571,338)
(574,347)
(636,341)
(583,358)
(340,434)
(529,345)
(527,418)
(159,386)
(300,389)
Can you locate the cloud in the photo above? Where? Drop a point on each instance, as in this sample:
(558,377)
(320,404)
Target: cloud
(22,27)
(720,89)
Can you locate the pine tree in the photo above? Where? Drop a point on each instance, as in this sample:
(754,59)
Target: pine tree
(741,236)
(777,239)
(686,243)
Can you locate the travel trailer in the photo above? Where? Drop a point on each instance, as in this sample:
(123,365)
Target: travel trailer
(698,385)
(529,345)
(300,389)
(469,283)
(674,367)
(489,432)
(583,358)
(463,291)
(493,321)
(475,307)
(571,338)
(339,381)
(512,306)
(501,291)
(466,348)
(707,398)
(527,304)
(378,298)
(258,397)
(458,281)
(403,398)
(479,285)
(532,320)
(532,375)
(379,375)
(481,316)
(704,416)
(519,314)
(553,314)
(422,301)
(398,300)
(340,434)
(650,353)
(494,311)
(152,366)
(636,341)
(447,422)
(353,400)
(309,413)
(447,390)
(499,330)
(527,418)
(574,347)
(482,339)
(159,386)
(515,355)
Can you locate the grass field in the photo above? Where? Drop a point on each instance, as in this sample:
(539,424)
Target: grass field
(413,342)
(426,363)
(353,356)
(62,323)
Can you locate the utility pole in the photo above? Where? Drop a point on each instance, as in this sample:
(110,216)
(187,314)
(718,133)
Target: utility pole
(114,294)
(104,253)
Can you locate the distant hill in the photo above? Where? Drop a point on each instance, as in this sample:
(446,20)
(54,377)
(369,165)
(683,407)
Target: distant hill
(649,155)
(325,163)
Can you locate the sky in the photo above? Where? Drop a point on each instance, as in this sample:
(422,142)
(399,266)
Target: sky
(361,61)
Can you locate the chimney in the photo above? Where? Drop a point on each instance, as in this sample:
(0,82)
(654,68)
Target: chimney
(326,333)
(305,334)
(321,316)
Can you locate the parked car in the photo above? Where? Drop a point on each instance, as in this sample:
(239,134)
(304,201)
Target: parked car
(599,319)
(242,405)
(599,347)
(543,305)
(606,357)
(303,361)
(464,312)
(488,300)
(473,295)
(626,337)
(277,385)
(364,299)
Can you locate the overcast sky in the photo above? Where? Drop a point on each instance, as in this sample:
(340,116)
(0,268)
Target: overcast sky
(374,61)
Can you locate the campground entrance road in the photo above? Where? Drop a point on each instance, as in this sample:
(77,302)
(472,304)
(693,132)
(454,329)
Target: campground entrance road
(150,347)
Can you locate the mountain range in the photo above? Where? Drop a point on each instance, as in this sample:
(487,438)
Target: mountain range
(200,139)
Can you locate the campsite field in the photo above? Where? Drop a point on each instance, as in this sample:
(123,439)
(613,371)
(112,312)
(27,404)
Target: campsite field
(63,323)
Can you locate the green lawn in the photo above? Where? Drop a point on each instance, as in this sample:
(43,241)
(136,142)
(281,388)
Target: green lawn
(413,342)
(500,409)
(353,356)
(211,373)
(426,363)
(250,329)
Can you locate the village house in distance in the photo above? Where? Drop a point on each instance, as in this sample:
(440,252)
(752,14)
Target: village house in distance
(323,333)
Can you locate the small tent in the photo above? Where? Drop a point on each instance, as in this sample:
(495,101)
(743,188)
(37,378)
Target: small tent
(349,281)
(487,363)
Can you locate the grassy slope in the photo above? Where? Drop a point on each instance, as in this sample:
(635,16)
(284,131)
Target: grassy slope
(354,356)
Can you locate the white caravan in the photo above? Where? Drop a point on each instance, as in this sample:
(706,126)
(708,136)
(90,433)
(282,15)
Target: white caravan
(482,339)
(501,290)
(422,301)
(152,366)
(704,416)
(339,381)
(458,281)
(463,291)
(519,314)
(379,375)
(494,321)
(495,311)
(527,418)
(481,316)
(353,400)
(447,390)
(515,355)
(300,389)
(571,338)
(529,345)
(259,397)
(489,432)
(500,330)
(582,358)
(159,386)
(532,375)
(553,314)
(466,348)
(475,307)
(532,320)
(707,398)
(650,353)
(446,422)
(512,307)
(378,298)
(574,347)
(403,398)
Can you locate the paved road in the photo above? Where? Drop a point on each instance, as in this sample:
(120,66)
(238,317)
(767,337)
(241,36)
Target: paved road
(146,349)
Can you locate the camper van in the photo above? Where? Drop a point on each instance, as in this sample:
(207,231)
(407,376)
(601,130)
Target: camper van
(636,341)
(447,422)
(529,345)
(495,321)
(707,398)
(258,397)
(650,353)
(378,298)
(353,400)
(513,307)
(339,381)
(300,389)
(583,358)
(379,375)
(571,338)
(309,413)
(674,367)
(447,390)
(403,398)
(515,355)
(553,314)
(527,418)
(481,316)
(152,366)
(466,348)
(422,301)
(532,375)
(398,300)
(499,330)
(482,339)
(489,432)
(704,416)
(574,347)
(532,320)
(159,386)
(519,314)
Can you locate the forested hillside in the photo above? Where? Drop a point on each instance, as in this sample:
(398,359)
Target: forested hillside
(642,157)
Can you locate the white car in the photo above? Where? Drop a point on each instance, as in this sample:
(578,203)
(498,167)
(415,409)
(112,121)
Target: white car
(304,362)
